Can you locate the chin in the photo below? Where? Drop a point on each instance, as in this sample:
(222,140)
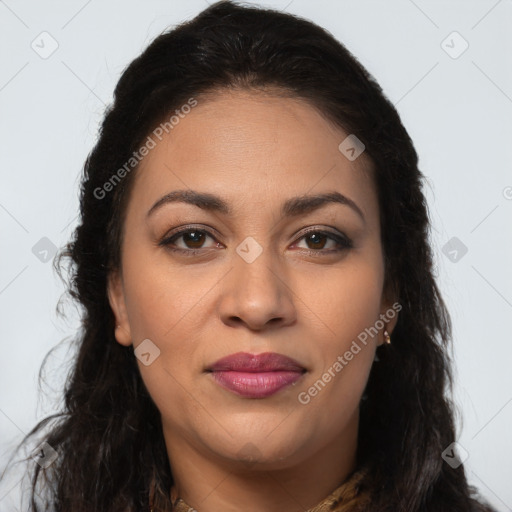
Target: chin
(261,453)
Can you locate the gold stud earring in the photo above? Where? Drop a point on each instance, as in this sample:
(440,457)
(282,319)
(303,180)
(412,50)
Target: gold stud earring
(387,338)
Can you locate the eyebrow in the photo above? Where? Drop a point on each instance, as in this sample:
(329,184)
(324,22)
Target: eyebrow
(292,207)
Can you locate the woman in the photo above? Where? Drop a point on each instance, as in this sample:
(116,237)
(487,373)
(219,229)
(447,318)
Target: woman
(262,328)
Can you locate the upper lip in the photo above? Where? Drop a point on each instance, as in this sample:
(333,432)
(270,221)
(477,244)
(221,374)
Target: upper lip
(265,362)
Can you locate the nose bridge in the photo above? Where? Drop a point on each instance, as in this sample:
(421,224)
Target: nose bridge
(256,264)
(255,270)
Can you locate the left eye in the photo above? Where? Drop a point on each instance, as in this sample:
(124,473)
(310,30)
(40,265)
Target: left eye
(196,237)
(319,238)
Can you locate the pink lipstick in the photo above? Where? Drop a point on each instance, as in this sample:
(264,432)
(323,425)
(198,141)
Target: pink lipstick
(256,375)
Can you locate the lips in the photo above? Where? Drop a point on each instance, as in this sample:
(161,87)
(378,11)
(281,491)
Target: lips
(266,362)
(256,375)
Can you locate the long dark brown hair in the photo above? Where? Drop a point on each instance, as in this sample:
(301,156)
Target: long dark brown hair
(109,436)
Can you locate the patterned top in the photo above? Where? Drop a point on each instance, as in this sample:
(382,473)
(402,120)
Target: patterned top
(348,497)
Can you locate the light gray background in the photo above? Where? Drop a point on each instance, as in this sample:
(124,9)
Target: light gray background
(458,112)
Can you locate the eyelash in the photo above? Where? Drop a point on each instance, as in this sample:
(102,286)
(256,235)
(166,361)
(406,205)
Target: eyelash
(343,241)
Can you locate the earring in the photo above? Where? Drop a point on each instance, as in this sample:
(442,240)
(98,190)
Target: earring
(387,338)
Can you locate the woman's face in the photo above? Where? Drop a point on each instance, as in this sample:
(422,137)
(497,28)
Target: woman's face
(248,276)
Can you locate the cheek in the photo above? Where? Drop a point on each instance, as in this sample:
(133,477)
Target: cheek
(161,308)
(346,300)
(341,371)
(347,305)
(160,296)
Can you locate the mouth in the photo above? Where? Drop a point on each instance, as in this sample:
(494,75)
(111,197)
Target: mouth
(256,375)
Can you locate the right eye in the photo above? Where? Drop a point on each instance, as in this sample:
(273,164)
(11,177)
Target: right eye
(189,235)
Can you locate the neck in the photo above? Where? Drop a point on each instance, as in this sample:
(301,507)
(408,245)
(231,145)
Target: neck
(208,482)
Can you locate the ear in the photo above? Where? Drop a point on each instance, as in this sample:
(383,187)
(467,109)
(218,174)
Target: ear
(115,292)
(389,310)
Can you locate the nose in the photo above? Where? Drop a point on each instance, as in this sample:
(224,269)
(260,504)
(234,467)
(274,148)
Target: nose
(257,294)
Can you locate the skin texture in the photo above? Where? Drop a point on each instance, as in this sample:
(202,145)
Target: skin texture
(254,150)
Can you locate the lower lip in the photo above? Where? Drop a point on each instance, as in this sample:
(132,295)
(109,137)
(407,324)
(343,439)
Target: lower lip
(255,385)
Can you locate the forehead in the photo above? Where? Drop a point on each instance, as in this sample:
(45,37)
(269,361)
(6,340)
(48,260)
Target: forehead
(252,146)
